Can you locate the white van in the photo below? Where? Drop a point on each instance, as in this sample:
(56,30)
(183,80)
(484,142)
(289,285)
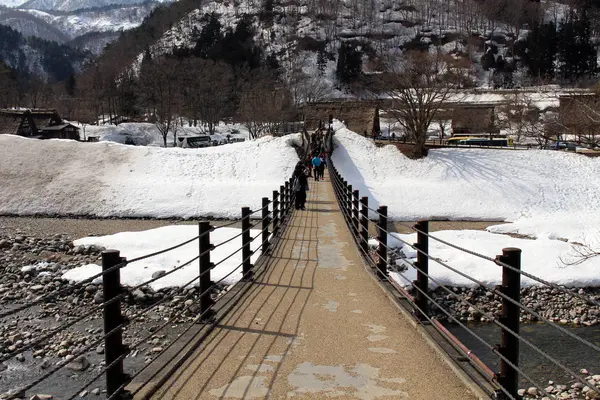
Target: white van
(194,142)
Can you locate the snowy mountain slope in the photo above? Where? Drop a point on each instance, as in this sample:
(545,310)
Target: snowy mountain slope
(96,20)
(72,5)
(37,56)
(30,25)
(63,27)
(11,3)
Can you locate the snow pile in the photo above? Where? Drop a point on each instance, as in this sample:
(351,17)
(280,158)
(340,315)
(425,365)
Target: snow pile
(534,187)
(136,244)
(63,177)
(543,258)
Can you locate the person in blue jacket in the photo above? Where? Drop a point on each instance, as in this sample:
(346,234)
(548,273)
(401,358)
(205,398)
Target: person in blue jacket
(316,163)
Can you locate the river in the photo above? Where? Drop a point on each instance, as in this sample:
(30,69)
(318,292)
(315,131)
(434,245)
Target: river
(573,354)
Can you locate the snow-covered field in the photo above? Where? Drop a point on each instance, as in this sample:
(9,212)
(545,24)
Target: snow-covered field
(553,197)
(136,244)
(543,258)
(61,177)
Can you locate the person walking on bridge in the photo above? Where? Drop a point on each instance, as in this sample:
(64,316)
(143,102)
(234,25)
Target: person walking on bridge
(300,187)
(316,163)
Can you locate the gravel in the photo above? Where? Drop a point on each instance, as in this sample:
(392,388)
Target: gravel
(31,266)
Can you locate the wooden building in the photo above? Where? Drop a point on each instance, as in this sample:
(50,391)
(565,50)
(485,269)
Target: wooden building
(36,123)
(474,119)
(359,116)
(579,115)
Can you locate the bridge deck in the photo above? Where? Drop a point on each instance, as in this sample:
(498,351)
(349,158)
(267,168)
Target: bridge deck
(315,325)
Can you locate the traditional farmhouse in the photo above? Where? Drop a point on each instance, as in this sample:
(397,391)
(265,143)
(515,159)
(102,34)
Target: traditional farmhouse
(474,119)
(359,116)
(579,116)
(36,123)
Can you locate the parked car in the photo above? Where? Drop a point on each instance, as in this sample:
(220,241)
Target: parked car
(563,146)
(194,141)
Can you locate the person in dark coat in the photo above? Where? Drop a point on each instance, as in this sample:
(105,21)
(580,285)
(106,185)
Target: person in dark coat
(300,187)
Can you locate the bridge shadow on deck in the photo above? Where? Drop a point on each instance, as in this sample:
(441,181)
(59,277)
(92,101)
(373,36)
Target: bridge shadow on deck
(269,312)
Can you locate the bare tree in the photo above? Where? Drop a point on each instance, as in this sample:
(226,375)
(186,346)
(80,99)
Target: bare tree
(163,92)
(419,85)
(263,105)
(207,88)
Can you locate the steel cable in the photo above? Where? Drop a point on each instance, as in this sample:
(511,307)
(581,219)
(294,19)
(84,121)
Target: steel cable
(92,311)
(156,253)
(504,296)
(493,319)
(490,347)
(47,297)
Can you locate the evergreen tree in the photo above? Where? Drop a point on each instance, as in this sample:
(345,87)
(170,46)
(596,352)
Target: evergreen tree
(540,51)
(349,63)
(207,45)
(321,61)
(576,53)
(71,85)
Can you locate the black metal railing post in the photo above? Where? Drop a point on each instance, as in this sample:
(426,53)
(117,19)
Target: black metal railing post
(275,212)
(206,302)
(422,265)
(113,344)
(349,203)
(382,239)
(265,224)
(364,222)
(246,239)
(282,205)
(355,200)
(509,347)
(344,196)
(288,186)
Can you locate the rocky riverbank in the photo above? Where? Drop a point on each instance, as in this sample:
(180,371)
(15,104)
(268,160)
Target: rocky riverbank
(32,267)
(549,303)
(573,390)
(478,304)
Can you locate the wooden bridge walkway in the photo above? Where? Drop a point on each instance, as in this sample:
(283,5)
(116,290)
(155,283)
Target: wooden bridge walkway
(314,325)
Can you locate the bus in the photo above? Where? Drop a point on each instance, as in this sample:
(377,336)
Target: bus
(478,141)
(194,142)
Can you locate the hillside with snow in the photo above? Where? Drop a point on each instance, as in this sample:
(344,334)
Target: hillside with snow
(544,193)
(59,177)
(72,5)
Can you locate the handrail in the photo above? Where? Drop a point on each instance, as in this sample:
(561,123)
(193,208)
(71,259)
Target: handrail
(270,230)
(348,205)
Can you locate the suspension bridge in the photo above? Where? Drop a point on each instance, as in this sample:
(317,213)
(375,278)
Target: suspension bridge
(317,315)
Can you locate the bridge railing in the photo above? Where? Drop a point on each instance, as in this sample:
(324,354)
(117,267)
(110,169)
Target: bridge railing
(356,213)
(271,218)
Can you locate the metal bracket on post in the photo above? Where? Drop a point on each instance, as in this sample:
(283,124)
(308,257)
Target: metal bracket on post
(509,348)
(382,239)
(422,269)
(282,205)
(246,251)
(364,222)
(275,212)
(287,195)
(265,224)
(113,344)
(206,302)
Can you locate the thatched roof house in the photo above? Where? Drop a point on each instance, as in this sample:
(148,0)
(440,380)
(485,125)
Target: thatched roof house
(359,116)
(38,123)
